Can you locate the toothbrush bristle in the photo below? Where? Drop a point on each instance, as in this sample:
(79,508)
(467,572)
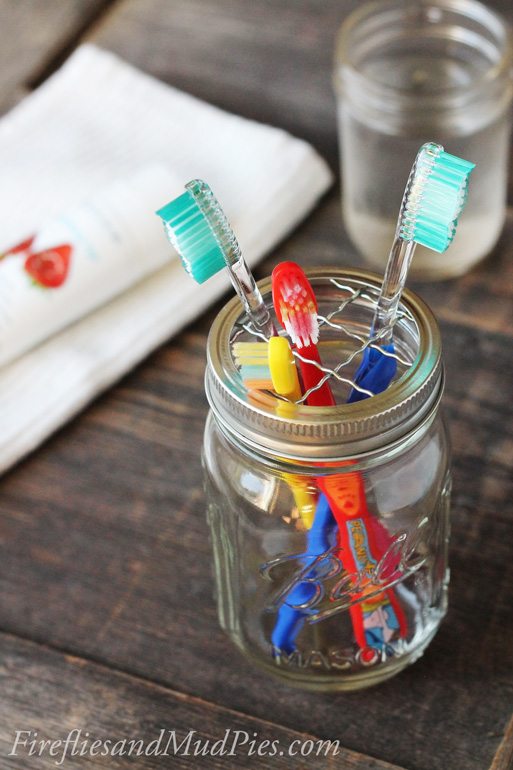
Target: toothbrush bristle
(252,360)
(435,197)
(295,304)
(196,226)
(249,353)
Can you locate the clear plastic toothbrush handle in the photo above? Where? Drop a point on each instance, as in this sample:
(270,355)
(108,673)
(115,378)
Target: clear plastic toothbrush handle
(249,293)
(394,281)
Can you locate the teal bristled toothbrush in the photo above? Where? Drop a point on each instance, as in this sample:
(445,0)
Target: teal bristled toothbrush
(433,200)
(200,232)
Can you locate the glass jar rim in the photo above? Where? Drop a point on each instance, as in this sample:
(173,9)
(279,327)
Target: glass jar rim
(472,9)
(337,432)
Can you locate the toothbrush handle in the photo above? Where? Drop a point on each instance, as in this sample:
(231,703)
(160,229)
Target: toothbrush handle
(249,293)
(370,539)
(392,287)
(311,375)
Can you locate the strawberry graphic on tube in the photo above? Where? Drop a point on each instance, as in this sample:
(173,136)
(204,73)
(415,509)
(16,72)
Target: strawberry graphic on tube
(20,248)
(49,268)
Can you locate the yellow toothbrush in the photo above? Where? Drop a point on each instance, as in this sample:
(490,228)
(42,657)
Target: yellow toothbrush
(270,366)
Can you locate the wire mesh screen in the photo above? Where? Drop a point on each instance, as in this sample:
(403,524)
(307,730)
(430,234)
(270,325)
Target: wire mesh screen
(345,313)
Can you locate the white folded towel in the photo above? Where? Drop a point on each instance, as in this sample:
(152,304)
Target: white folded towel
(96,123)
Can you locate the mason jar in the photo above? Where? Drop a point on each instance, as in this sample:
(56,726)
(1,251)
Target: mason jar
(407,73)
(330,525)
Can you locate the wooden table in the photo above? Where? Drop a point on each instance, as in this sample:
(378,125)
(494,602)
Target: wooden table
(106,616)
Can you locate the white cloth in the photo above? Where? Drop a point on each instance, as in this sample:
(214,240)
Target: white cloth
(93,123)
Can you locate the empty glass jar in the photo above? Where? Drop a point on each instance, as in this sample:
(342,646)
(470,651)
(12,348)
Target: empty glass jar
(330,525)
(408,73)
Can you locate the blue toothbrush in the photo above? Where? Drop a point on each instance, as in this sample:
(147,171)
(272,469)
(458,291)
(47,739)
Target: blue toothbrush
(433,200)
(320,538)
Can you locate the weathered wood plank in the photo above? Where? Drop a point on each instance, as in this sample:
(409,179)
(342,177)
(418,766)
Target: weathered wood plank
(503,760)
(98,704)
(484,297)
(32,34)
(271,61)
(265,60)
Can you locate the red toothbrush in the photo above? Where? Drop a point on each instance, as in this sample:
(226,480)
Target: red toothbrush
(296,307)
(377,616)
(363,539)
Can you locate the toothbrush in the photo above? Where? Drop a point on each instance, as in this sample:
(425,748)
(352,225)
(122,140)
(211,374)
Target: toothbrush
(433,200)
(377,616)
(252,359)
(270,366)
(321,538)
(435,195)
(296,308)
(198,228)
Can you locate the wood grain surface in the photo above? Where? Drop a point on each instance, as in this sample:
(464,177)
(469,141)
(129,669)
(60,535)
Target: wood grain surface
(503,759)
(35,36)
(100,704)
(104,552)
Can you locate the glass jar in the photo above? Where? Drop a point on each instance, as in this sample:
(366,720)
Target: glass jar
(330,525)
(408,73)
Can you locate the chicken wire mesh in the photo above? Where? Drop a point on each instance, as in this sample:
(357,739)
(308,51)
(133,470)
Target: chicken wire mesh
(345,313)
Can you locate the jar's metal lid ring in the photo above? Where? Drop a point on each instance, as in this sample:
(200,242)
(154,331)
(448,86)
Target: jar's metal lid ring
(326,432)
(359,453)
